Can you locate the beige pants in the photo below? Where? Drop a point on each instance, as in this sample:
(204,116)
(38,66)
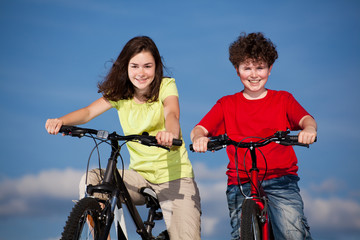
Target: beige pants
(179,201)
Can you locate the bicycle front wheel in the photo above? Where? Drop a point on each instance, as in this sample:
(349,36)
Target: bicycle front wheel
(83,222)
(250,225)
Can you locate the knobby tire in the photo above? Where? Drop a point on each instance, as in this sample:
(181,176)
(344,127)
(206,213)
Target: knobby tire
(83,222)
(250,225)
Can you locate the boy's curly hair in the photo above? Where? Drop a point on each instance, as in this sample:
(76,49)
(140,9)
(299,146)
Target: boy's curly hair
(253,46)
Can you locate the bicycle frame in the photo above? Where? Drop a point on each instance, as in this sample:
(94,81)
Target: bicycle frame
(258,196)
(114,187)
(112,176)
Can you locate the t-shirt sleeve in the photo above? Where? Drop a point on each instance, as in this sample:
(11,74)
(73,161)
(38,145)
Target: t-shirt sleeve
(114,104)
(295,112)
(168,88)
(213,121)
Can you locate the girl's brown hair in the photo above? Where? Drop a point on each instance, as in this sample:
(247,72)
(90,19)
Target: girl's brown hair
(117,86)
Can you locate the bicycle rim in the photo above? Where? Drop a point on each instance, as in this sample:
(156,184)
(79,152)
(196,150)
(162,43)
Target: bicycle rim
(83,222)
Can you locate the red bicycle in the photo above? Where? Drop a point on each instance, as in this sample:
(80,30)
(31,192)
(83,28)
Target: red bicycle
(255,222)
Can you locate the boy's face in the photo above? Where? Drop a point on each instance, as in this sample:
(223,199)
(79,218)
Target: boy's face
(254,75)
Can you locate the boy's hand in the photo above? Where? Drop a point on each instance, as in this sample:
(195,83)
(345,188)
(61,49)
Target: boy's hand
(307,135)
(200,144)
(308,132)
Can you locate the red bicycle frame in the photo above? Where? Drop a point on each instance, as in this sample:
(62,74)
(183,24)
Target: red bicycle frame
(258,196)
(256,193)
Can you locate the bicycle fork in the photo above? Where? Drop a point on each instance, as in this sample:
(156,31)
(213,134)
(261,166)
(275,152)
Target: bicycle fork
(259,197)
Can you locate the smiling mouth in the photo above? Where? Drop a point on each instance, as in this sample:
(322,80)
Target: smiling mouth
(254,81)
(141,80)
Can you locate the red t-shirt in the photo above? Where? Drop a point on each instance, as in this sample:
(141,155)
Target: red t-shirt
(239,118)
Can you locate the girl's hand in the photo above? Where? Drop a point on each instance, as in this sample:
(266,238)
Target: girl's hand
(307,135)
(53,126)
(165,138)
(200,144)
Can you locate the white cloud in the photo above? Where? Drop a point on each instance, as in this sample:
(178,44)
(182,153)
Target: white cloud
(17,196)
(330,185)
(334,212)
(324,208)
(202,172)
(25,194)
(50,183)
(208,225)
(14,206)
(212,183)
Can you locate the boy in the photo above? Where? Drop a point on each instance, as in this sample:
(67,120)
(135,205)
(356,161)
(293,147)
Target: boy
(258,111)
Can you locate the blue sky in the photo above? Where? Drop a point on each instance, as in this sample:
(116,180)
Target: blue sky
(53,53)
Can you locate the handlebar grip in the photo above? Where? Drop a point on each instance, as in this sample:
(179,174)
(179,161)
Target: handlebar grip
(65,129)
(177,142)
(191,147)
(215,146)
(211,146)
(295,138)
(75,131)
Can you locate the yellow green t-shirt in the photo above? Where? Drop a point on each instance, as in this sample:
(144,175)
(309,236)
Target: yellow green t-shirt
(156,165)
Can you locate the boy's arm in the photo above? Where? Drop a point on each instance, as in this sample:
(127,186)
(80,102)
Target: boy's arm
(309,130)
(199,137)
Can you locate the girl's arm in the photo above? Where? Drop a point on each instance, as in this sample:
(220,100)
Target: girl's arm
(309,130)
(78,117)
(172,124)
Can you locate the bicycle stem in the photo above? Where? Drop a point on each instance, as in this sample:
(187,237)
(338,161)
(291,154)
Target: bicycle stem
(254,171)
(112,161)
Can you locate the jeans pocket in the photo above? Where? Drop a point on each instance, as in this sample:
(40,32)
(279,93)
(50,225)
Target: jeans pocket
(300,230)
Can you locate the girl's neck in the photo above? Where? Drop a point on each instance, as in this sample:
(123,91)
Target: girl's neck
(140,97)
(254,95)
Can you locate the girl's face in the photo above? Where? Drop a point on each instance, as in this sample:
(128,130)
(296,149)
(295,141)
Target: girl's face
(141,71)
(254,76)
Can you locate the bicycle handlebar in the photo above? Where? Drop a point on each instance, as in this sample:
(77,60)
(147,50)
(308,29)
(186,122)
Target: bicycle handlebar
(144,139)
(280,137)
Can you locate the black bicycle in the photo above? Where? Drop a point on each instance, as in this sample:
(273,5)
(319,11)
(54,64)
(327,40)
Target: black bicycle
(255,222)
(91,217)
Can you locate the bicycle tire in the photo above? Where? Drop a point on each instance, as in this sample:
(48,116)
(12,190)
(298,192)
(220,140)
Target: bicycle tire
(83,221)
(250,225)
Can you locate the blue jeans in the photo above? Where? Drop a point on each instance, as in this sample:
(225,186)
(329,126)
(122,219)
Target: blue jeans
(285,208)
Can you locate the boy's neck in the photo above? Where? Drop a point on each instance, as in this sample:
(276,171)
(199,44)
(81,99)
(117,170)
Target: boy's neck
(254,95)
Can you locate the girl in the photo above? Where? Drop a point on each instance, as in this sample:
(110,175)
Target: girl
(146,101)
